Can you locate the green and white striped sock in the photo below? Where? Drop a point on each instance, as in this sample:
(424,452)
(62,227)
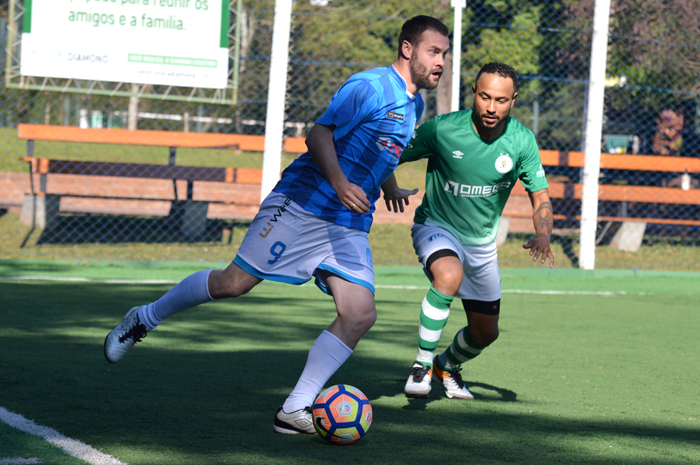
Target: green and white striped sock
(462,349)
(433,318)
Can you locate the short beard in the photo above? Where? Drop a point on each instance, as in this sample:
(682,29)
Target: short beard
(480,123)
(420,74)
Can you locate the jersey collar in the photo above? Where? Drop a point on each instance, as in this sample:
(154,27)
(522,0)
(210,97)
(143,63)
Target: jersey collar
(403,81)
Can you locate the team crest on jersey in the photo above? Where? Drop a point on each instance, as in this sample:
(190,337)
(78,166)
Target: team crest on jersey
(504,163)
(393,115)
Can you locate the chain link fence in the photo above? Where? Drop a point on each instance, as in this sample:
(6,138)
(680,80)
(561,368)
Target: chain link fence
(187,193)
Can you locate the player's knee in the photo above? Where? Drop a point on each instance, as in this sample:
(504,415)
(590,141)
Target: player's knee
(484,336)
(221,286)
(236,290)
(490,336)
(448,281)
(368,317)
(364,318)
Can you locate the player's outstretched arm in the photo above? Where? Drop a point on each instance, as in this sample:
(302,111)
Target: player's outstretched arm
(543,219)
(394,195)
(320,144)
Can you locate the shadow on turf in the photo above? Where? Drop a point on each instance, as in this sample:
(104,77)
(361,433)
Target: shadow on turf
(437,393)
(177,397)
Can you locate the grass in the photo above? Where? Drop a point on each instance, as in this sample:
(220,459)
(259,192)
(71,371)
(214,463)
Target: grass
(391,245)
(588,379)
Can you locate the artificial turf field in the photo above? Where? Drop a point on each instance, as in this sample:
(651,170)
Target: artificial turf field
(591,368)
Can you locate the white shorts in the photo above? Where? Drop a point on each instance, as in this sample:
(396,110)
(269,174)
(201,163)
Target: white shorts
(286,243)
(481,279)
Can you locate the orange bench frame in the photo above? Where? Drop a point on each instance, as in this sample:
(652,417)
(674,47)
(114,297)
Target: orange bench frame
(153,138)
(621,193)
(173,140)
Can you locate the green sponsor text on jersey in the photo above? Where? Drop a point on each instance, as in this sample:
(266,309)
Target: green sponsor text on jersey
(469,179)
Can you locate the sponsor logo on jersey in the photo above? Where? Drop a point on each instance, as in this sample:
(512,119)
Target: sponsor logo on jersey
(540,172)
(393,115)
(385,143)
(504,163)
(465,190)
(280,210)
(457,154)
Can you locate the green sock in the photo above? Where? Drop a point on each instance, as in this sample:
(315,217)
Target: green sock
(434,312)
(462,349)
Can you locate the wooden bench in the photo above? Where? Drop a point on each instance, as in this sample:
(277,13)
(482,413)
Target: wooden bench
(189,194)
(628,200)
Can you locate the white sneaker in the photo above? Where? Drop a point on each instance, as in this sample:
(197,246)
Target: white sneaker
(418,384)
(298,422)
(124,336)
(452,381)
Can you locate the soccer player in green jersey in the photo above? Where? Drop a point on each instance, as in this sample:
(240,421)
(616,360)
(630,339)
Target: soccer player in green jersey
(474,159)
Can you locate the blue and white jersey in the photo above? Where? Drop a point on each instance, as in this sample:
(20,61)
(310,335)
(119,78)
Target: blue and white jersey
(374,118)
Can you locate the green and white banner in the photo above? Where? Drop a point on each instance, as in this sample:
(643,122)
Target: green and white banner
(164,42)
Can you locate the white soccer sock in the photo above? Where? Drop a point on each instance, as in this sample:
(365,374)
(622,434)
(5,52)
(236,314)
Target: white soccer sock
(325,357)
(190,292)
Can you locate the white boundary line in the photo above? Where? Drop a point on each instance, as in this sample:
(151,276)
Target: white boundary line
(18,461)
(87,280)
(378,286)
(72,447)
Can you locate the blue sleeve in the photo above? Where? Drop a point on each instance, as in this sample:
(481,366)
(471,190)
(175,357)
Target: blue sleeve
(354,102)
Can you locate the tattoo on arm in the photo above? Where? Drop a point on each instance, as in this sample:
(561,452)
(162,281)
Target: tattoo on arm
(543,218)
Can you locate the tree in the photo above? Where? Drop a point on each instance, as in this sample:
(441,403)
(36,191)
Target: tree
(331,43)
(655,45)
(653,42)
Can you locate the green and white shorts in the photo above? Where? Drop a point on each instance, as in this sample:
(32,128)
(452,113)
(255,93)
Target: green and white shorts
(481,280)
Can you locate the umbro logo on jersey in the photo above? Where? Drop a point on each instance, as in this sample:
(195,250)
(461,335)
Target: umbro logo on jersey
(393,115)
(457,154)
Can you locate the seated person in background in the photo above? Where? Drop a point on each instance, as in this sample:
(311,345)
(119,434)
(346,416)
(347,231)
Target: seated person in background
(668,139)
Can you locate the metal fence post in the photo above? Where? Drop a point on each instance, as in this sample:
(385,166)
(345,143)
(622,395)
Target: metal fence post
(276,95)
(594,130)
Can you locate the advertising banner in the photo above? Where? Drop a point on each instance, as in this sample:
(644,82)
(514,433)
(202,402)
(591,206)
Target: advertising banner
(163,42)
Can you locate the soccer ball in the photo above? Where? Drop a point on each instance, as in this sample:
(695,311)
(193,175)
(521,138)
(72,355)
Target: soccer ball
(342,414)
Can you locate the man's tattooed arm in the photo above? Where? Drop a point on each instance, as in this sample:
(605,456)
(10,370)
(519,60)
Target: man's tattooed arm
(543,215)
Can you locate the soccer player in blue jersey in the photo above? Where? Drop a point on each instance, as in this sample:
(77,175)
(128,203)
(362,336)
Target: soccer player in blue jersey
(316,220)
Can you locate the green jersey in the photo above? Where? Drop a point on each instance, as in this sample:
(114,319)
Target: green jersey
(469,179)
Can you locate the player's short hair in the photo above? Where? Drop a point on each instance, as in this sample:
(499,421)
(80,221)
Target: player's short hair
(500,69)
(413,29)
